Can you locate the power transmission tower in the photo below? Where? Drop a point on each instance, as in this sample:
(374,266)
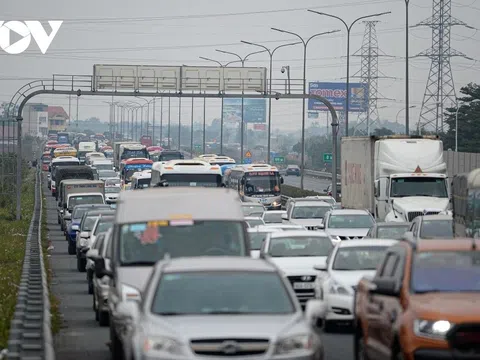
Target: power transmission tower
(369,75)
(440,89)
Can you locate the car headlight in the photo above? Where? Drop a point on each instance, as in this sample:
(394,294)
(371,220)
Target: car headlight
(432,328)
(275,203)
(130,293)
(162,345)
(293,343)
(336,288)
(83,242)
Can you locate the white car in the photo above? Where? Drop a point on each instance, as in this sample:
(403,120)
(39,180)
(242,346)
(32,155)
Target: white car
(347,264)
(253,221)
(286,227)
(111,194)
(273,216)
(325,198)
(296,253)
(347,224)
(257,235)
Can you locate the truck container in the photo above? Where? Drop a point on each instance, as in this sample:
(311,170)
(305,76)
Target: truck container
(88,192)
(85,147)
(466,204)
(396,178)
(72,172)
(116,151)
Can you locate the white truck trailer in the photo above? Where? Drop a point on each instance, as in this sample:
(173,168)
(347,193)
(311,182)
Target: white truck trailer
(395,177)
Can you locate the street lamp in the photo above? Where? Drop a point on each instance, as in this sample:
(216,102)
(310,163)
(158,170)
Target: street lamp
(139,107)
(221,118)
(407,80)
(242,60)
(147,104)
(305,44)
(270,53)
(456,121)
(399,111)
(348,28)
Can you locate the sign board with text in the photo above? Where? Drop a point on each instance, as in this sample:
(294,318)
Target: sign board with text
(254,110)
(336,94)
(279,160)
(327,157)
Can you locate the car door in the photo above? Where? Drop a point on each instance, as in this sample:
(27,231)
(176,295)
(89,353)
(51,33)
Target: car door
(374,309)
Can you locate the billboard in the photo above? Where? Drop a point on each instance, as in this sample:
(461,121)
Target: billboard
(254,110)
(336,93)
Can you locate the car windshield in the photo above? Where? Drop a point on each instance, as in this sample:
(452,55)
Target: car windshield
(419,186)
(107,173)
(170,156)
(103,226)
(112,190)
(350,222)
(272,217)
(256,239)
(150,242)
(255,222)
(101,167)
(391,232)
(446,271)
(112,182)
(300,246)
(358,258)
(79,211)
(248,210)
(434,229)
(88,223)
(84,200)
(310,212)
(197,293)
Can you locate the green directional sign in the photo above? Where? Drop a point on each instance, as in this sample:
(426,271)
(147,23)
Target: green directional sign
(279,160)
(197,146)
(327,157)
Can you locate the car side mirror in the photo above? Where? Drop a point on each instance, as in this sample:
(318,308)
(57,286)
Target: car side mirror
(321,226)
(128,310)
(67,216)
(320,267)
(386,287)
(85,234)
(100,268)
(315,311)
(75,227)
(284,217)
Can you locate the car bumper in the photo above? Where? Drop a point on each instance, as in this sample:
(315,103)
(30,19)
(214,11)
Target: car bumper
(102,297)
(339,307)
(440,354)
(316,356)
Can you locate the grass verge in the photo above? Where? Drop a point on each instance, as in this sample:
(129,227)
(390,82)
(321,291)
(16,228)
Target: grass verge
(56,319)
(295,192)
(12,251)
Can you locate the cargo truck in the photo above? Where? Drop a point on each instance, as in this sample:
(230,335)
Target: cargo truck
(116,152)
(396,178)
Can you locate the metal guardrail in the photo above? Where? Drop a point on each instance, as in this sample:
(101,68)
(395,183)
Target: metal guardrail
(320,174)
(30,331)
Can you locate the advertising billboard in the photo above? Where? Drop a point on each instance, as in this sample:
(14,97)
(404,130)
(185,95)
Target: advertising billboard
(254,110)
(336,93)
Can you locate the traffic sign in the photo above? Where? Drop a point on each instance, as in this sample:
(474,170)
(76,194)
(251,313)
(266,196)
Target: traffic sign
(198,146)
(327,157)
(247,161)
(279,160)
(248,154)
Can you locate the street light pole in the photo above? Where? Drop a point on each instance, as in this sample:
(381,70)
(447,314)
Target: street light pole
(169,121)
(407,80)
(399,111)
(270,53)
(179,121)
(305,45)
(348,28)
(242,126)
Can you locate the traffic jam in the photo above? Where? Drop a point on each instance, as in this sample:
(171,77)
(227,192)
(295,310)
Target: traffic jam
(211,260)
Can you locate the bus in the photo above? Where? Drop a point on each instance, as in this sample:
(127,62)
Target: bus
(65,151)
(63,138)
(60,161)
(221,160)
(186,173)
(132,166)
(141,180)
(466,204)
(256,183)
(168,155)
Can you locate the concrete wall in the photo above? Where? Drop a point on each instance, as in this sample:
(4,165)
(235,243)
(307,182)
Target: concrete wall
(461,162)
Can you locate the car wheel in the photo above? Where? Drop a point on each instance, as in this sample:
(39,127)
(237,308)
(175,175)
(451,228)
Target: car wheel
(329,326)
(90,287)
(103,318)
(360,353)
(72,250)
(94,306)
(58,221)
(81,263)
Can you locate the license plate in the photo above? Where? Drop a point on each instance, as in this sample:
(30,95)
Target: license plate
(303,286)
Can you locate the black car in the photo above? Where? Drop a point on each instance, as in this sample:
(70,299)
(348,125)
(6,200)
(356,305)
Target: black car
(292,170)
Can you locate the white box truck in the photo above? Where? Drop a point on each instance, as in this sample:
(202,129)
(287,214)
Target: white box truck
(395,177)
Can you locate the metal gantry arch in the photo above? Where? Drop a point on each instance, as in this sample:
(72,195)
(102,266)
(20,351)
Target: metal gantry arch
(84,88)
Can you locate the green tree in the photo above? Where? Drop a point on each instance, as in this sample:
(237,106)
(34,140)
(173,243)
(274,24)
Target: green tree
(383,132)
(468,121)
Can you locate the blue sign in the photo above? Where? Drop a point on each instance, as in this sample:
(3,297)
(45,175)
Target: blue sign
(247,160)
(336,93)
(254,110)
(138,166)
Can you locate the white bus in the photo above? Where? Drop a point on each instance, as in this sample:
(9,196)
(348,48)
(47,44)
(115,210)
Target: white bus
(256,183)
(186,173)
(221,160)
(141,179)
(60,161)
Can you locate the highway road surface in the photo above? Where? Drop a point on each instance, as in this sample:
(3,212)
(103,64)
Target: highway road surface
(81,337)
(310,183)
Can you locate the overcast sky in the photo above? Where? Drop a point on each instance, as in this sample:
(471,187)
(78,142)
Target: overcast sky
(160,32)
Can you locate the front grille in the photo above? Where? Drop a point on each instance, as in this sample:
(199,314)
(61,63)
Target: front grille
(413,214)
(303,294)
(465,338)
(351,237)
(229,347)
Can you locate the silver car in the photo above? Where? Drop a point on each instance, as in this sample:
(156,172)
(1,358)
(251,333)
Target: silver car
(198,308)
